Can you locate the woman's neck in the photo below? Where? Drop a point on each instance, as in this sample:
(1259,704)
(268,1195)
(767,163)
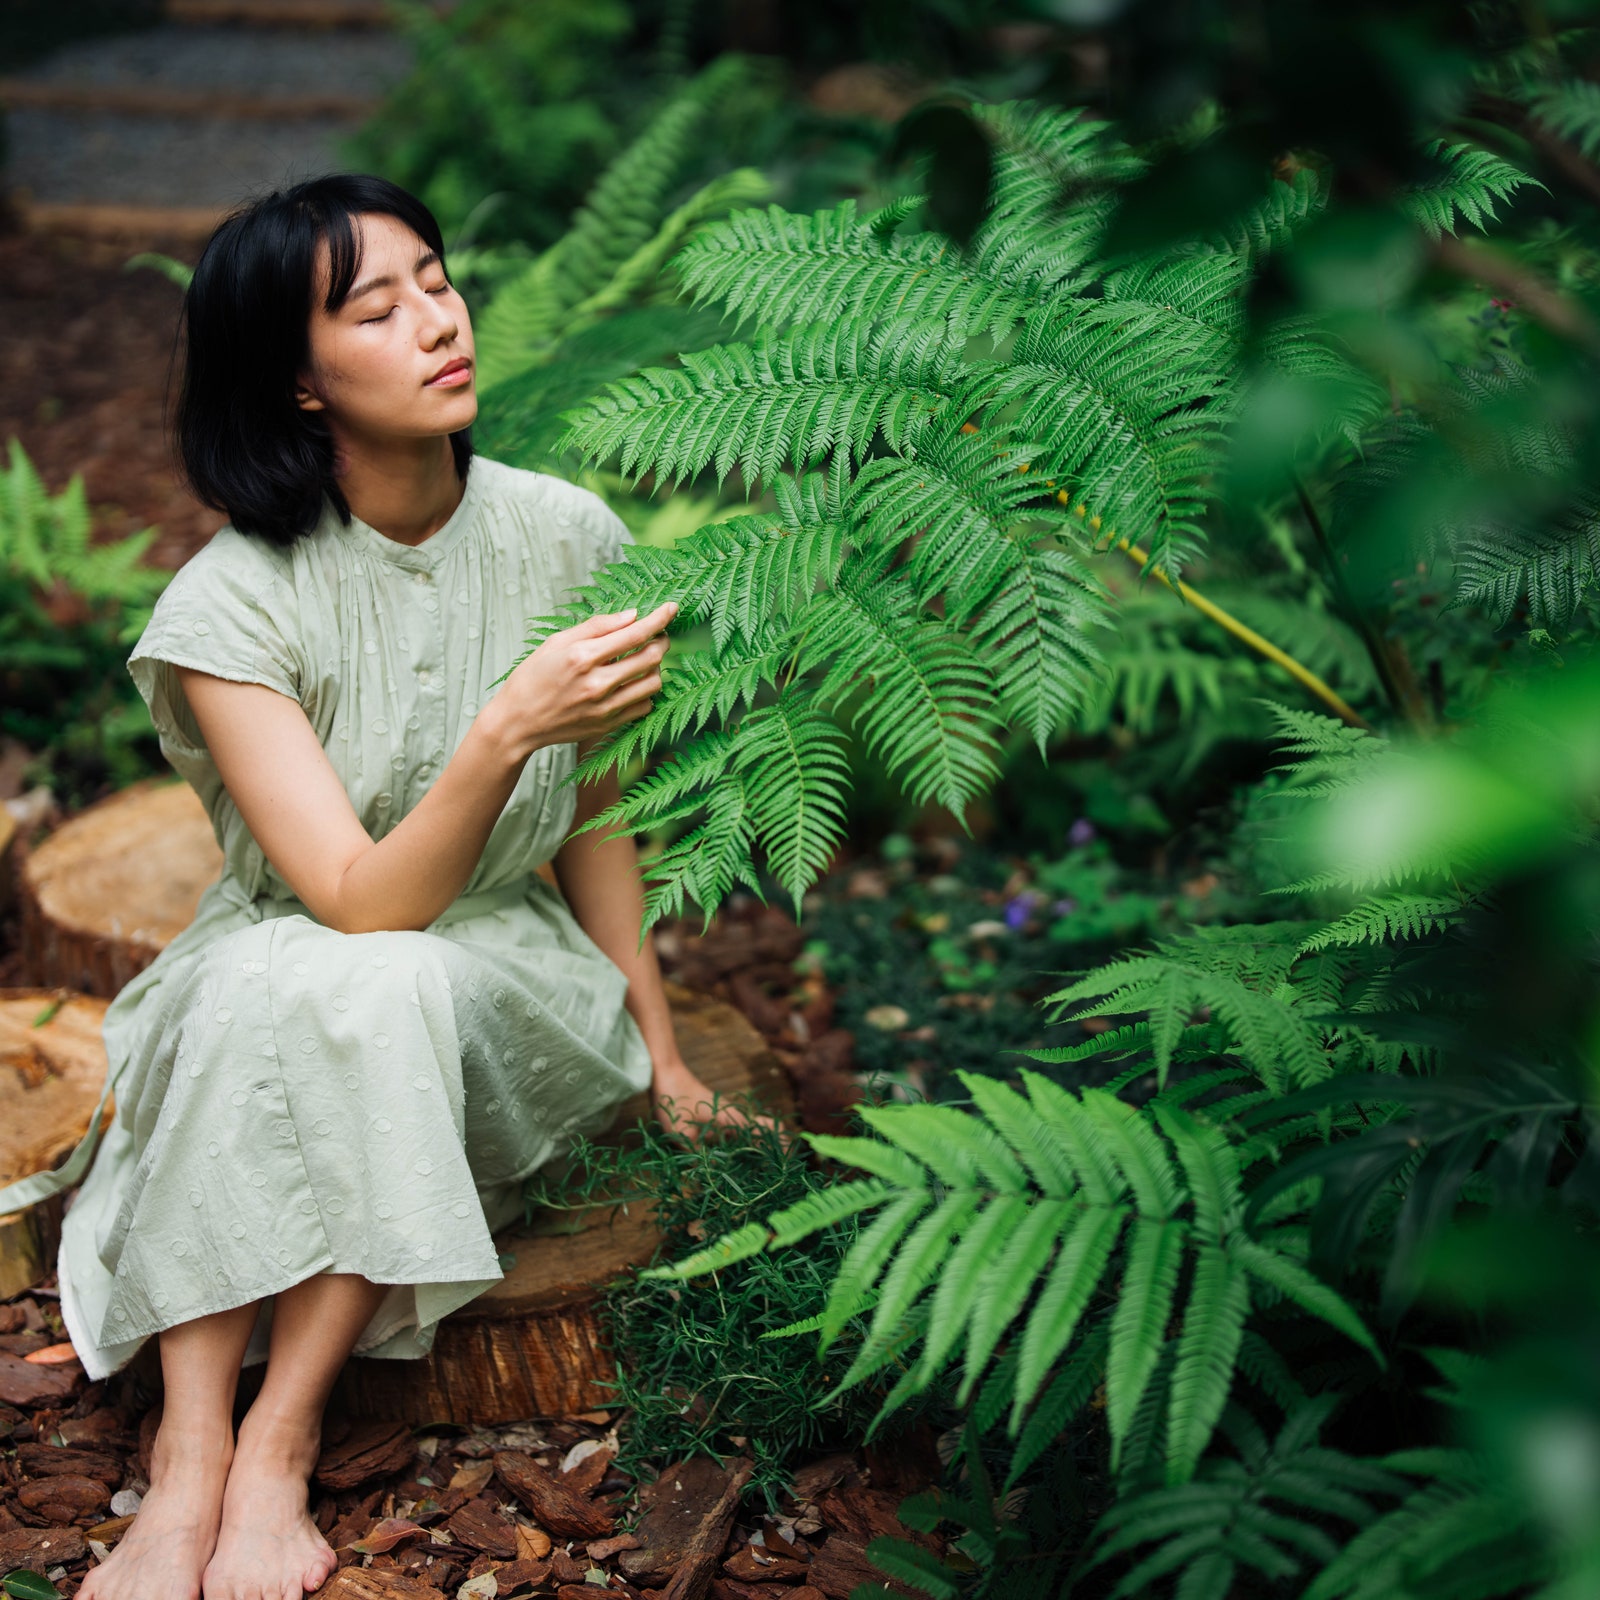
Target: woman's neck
(407,489)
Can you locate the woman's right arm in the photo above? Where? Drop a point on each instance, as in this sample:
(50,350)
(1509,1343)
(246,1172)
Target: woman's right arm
(572,687)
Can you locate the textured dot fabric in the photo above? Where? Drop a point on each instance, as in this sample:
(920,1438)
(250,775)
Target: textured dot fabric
(290,1098)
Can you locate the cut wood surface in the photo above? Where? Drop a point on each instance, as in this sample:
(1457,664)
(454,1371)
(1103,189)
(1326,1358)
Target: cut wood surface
(105,894)
(50,1077)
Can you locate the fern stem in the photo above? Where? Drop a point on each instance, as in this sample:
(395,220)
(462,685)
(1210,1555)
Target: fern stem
(1227,621)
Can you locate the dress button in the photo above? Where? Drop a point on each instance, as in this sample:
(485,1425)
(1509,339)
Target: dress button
(424,676)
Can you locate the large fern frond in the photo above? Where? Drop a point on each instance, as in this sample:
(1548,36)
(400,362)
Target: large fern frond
(1009,1220)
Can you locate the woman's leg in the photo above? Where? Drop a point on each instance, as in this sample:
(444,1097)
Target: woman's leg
(163,1554)
(268,1547)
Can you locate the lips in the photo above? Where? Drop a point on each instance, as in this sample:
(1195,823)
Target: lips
(458,365)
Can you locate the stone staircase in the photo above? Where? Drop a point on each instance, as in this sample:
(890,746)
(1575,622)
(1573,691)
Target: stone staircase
(155,134)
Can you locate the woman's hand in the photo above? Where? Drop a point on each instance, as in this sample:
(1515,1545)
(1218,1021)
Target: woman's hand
(682,1104)
(575,687)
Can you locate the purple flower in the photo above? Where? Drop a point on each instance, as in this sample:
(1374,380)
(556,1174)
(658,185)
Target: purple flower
(1064,908)
(1019,909)
(1081,832)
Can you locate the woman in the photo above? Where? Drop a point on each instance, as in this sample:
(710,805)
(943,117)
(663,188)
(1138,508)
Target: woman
(330,1087)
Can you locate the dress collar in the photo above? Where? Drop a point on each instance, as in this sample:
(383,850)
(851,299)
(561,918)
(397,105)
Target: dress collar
(415,557)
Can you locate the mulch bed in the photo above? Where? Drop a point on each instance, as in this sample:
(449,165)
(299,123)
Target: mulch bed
(420,1514)
(84,364)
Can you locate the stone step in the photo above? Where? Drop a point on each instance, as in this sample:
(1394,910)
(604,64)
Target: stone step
(158,133)
(22,94)
(102,158)
(252,64)
(291,13)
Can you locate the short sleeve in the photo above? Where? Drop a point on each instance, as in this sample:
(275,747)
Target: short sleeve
(230,611)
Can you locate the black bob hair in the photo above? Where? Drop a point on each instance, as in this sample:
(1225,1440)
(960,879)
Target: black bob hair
(245,446)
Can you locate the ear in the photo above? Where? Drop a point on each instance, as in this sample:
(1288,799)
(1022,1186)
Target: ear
(307,399)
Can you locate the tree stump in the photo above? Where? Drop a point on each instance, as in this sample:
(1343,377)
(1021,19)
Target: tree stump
(51,1073)
(106,893)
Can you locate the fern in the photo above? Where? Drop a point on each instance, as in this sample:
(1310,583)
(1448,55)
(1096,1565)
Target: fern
(1464,188)
(1386,918)
(46,541)
(620,238)
(1262,1513)
(1010,1220)
(974,413)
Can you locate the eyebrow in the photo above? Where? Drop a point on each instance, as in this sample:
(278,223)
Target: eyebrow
(426,259)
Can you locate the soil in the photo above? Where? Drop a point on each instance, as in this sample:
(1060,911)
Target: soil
(85,360)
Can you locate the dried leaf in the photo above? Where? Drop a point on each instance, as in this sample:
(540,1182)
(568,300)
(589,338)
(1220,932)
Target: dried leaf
(386,1535)
(473,1477)
(533,1544)
(52,1355)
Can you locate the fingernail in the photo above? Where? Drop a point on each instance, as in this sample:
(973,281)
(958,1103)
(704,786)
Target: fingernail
(630,613)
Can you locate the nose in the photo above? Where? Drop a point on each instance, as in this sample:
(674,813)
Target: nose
(440,322)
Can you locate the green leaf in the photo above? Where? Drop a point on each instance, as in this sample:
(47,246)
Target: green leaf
(1062,1301)
(739,1245)
(26,1585)
(1292,1280)
(1208,1349)
(1139,1323)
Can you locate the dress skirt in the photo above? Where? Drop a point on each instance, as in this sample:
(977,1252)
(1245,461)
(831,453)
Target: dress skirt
(297,1100)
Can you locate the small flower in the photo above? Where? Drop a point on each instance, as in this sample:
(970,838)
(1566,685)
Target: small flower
(1064,908)
(1020,908)
(1080,833)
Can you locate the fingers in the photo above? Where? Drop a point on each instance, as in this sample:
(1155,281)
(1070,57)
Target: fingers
(643,663)
(619,632)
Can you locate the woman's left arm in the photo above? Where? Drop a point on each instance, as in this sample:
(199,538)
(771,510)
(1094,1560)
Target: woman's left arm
(599,876)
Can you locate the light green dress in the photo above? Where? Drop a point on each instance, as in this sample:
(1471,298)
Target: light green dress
(290,1098)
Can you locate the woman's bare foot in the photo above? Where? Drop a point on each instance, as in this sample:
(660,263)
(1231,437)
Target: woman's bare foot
(268,1547)
(682,1104)
(163,1554)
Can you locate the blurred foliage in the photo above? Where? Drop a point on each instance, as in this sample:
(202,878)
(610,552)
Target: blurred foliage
(69,610)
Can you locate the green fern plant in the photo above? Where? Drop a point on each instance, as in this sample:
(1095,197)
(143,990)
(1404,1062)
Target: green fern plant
(1010,1222)
(959,429)
(46,543)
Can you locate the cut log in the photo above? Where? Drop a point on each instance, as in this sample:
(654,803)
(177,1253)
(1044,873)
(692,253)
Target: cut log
(52,1067)
(106,893)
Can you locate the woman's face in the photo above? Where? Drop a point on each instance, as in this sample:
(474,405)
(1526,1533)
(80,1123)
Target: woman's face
(378,363)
